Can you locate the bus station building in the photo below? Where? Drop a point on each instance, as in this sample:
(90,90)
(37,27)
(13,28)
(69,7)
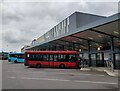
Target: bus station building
(96,38)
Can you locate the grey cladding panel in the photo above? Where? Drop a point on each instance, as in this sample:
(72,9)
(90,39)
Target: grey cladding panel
(84,19)
(72,22)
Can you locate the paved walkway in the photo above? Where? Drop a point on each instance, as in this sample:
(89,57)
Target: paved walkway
(102,69)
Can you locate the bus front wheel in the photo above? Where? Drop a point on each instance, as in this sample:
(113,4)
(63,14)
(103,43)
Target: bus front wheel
(9,60)
(62,66)
(38,65)
(15,61)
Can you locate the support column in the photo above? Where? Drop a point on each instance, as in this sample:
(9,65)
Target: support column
(103,60)
(74,46)
(96,60)
(112,51)
(49,47)
(63,47)
(55,47)
(89,55)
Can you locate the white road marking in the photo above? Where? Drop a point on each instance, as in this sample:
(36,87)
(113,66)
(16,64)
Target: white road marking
(98,75)
(97,82)
(44,79)
(55,69)
(25,72)
(48,79)
(82,74)
(12,77)
(75,74)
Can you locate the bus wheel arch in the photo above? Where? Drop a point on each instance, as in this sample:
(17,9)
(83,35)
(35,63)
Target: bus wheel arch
(38,65)
(62,66)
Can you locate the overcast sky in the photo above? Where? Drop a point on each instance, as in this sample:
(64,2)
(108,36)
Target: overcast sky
(24,21)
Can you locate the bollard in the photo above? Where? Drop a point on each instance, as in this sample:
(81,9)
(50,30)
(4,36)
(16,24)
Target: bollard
(107,64)
(112,67)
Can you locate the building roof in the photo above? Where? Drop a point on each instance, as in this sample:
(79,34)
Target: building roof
(104,27)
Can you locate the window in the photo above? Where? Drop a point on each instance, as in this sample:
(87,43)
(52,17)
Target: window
(45,57)
(53,32)
(33,57)
(55,58)
(59,32)
(68,21)
(20,56)
(58,27)
(28,55)
(61,25)
(62,32)
(12,55)
(72,58)
(67,28)
(38,57)
(65,23)
(64,58)
(50,57)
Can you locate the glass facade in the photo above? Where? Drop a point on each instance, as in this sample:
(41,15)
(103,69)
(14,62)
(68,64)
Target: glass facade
(117,59)
(116,44)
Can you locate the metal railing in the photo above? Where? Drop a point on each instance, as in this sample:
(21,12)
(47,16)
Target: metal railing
(109,65)
(84,63)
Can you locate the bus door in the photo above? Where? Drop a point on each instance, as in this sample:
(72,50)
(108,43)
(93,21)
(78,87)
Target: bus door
(51,60)
(45,60)
(56,60)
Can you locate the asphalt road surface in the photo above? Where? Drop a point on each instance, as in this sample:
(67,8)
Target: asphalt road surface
(17,76)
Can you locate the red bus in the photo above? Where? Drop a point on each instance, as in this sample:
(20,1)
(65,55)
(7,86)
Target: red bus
(61,59)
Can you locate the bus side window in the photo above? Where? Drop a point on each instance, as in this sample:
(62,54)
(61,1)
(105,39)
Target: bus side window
(45,57)
(55,58)
(50,57)
(40,57)
(37,57)
(66,58)
(33,57)
(72,58)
